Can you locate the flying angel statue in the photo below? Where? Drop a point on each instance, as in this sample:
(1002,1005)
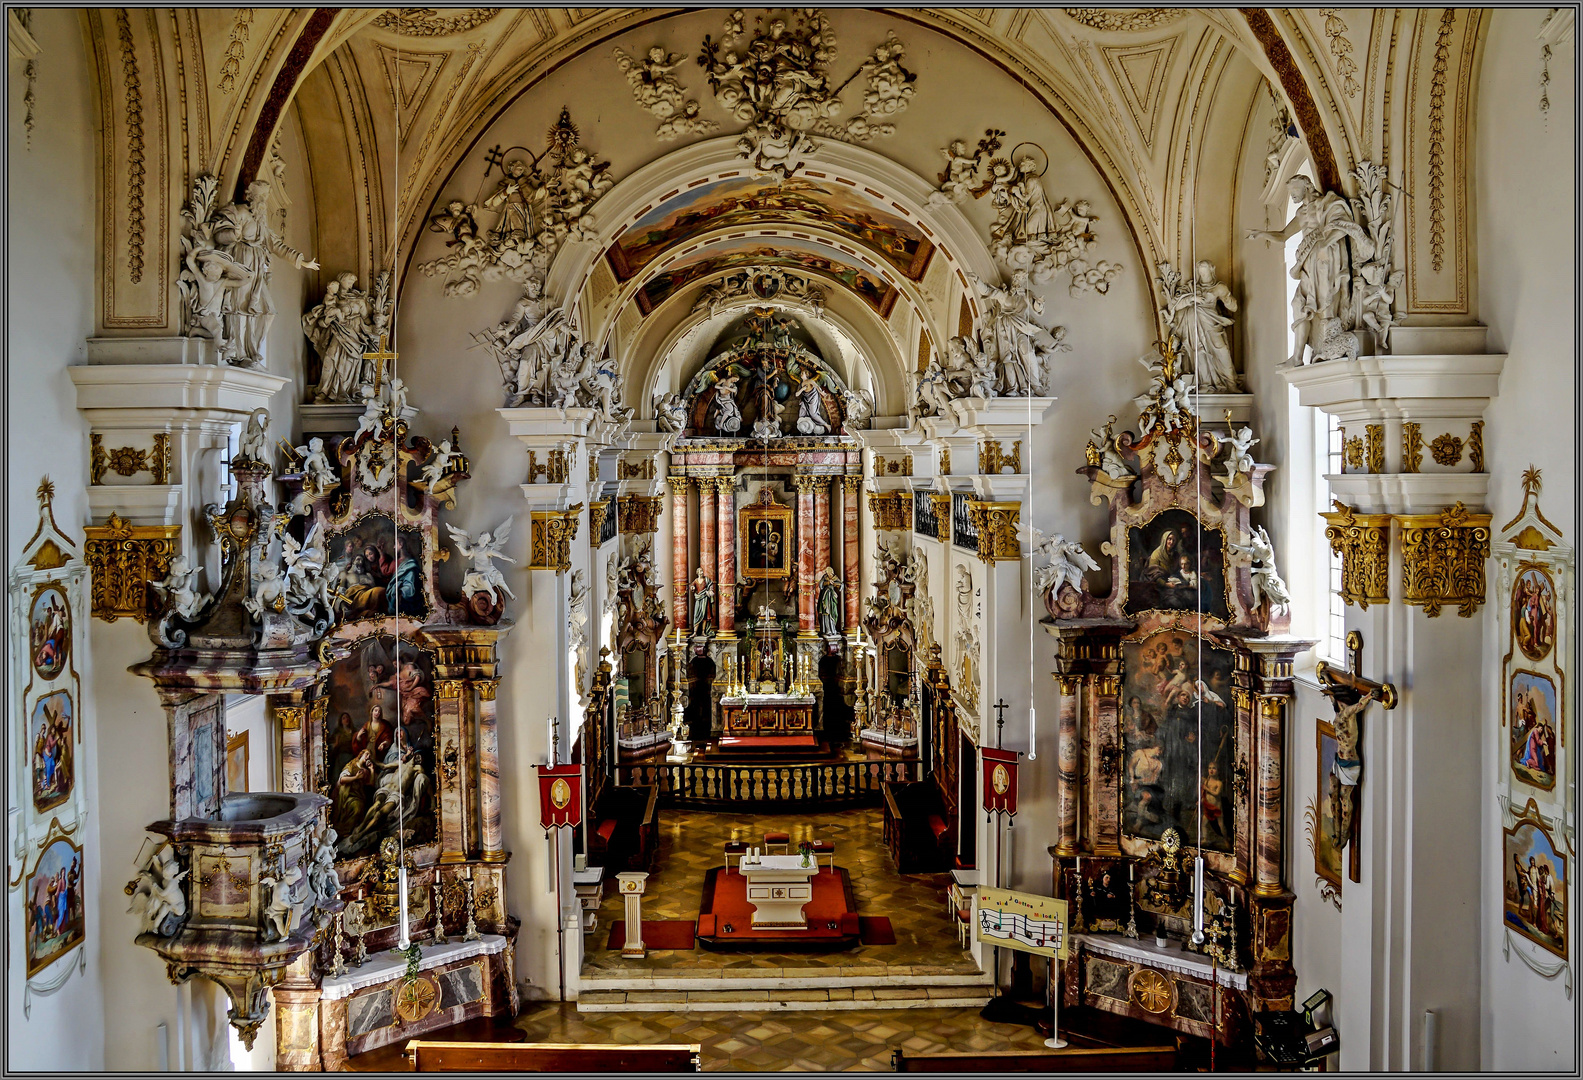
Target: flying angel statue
(482,575)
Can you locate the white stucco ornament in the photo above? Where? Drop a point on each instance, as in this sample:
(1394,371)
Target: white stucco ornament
(1192,311)
(483,576)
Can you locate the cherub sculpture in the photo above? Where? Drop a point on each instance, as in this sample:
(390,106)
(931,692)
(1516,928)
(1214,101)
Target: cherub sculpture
(1267,584)
(439,463)
(268,592)
(373,417)
(279,915)
(180,587)
(483,576)
(1066,566)
(1238,460)
(323,879)
(156,892)
(316,466)
(398,398)
(1111,463)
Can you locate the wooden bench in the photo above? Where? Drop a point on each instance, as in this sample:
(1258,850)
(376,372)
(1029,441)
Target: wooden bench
(920,839)
(552,1057)
(627,827)
(1135,1059)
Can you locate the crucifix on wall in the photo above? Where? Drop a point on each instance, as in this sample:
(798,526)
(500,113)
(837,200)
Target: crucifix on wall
(1350,694)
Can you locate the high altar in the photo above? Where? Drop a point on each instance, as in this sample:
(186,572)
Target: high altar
(770,484)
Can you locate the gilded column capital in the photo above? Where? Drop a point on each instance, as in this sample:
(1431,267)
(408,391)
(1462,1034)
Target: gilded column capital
(890,510)
(445,689)
(997,530)
(639,513)
(1443,557)
(678,485)
(487,689)
(596,520)
(553,533)
(809,483)
(1364,543)
(851,485)
(123,558)
(992,457)
(725,485)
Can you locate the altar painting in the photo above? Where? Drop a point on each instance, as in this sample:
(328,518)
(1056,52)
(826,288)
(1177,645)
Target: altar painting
(1176,711)
(49,631)
(51,735)
(382,569)
(1533,729)
(54,895)
(766,541)
(381,780)
(1535,889)
(1175,563)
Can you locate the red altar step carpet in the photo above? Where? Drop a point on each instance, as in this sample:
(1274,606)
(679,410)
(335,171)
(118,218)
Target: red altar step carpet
(725,919)
(657,933)
(768,742)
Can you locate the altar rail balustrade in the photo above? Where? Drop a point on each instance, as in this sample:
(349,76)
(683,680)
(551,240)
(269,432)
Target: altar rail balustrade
(844,783)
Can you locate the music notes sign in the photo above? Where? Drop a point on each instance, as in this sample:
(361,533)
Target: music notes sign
(1021,921)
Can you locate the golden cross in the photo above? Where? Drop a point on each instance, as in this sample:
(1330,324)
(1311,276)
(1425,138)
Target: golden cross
(379,357)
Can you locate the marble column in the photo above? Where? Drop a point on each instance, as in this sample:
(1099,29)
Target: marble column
(297,1004)
(679,574)
(332,1033)
(851,557)
(805,552)
(448,754)
(292,714)
(708,550)
(1066,765)
(489,773)
(1271,722)
(1104,696)
(727,593)
(821,526)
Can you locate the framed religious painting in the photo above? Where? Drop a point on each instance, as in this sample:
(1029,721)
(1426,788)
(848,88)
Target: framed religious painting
(1107,897)
(236,754)
(1176,563)
(48,606)
(1534,591)
(765,538)
(380,745)
(1178,740)
(53,903)
(1535,900)
(1323,838)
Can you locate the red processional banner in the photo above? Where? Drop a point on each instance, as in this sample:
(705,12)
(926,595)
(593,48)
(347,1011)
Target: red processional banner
(560,796)
(1000,780)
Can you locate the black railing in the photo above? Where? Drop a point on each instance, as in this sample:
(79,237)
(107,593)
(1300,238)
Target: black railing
(841,783)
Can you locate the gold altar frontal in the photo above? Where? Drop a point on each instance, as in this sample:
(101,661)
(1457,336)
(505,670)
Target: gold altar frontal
(766,715)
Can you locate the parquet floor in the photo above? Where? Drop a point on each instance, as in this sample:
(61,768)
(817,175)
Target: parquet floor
(784,1041)
(691,842)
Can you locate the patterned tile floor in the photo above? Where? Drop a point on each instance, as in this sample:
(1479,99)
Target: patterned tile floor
(691,842)
(784,1042)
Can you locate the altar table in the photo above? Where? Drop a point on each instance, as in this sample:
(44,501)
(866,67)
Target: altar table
(758,715)
(778,887)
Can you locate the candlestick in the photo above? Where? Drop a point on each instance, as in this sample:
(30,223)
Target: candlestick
(439,912)
(337,965)
(471,932)
(405,940)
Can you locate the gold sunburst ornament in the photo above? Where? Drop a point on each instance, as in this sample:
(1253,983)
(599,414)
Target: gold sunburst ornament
(1151,991)
(416,999)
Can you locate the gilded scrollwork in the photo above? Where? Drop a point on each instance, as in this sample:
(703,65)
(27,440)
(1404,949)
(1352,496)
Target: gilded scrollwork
(891,510)
(128,460)
(1443,557)
(553,533)
(992,457)
(124,558)
(639,513)
(997,530)
(1413,447)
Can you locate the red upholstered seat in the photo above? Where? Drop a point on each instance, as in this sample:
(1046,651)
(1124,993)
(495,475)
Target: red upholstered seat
(777,838)
(937,825)
(606,830)
(964,914)
(736,847)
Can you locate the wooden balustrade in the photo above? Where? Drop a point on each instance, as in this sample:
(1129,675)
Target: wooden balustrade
(840,783)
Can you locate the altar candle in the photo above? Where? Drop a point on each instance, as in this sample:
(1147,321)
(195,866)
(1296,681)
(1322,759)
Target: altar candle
(401,883)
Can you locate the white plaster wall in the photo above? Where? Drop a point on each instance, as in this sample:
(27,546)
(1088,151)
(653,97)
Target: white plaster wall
(1525,186)
(49,314)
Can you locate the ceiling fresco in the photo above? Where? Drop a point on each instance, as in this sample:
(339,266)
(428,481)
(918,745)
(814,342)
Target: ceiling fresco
(760,200)
(779,251)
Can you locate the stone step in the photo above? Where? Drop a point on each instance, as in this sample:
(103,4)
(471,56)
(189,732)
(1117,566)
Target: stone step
(806,995)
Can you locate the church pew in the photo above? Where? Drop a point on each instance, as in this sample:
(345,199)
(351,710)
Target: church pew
(1088,1059)
(552,1057)
(625,827)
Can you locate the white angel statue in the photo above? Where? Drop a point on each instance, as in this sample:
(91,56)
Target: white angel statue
(1238,460)
(1267,583)
(439,463)
(254,441)
(181,589)
(269,592)
(156,891)
(482,575)
(316,466)
(1067,562)
(671,412)
(1111,463)
(398,398)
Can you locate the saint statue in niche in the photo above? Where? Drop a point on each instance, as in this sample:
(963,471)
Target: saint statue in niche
(812,419)
(703,603)
(829,603)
